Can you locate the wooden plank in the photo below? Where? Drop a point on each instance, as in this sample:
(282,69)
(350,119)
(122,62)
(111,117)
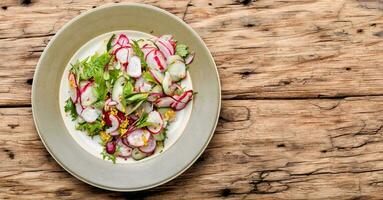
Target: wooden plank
(269,49)
(270,149)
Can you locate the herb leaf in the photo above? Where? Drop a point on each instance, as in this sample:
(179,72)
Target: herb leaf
(69,107)
(109,44)
(182,50)
(148,77)
(91,128)
(139,53)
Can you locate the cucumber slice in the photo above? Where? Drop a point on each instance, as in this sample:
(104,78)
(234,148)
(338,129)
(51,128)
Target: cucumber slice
(159,147)
(137,154)
(160,136)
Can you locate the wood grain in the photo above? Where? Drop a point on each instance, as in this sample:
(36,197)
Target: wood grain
(270,49)
(302,115)
(271,149)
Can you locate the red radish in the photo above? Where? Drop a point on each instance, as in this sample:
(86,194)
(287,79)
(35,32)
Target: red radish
(114,133)
(165,47)
(110,147)
(121,116)
(134,67)
(182,100)
(90,114)
(79,108)
(142,85)
(153,97)
(106,118)
(156,60)
(155,118)
(73,88)
(157,75)
(125,151)
(164,102)
(138,137)
(147,107)
(177,70)
(87,94)
(189,58)
(124,140)
(122,55)
(149,147)
(115,123)
(122,40)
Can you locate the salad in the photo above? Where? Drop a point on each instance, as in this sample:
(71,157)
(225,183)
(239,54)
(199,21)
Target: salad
(128,94)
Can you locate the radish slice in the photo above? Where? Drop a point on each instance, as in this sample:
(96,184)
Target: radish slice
(118,88)
(115,124)
(165,47)
(87,94)
(125,151)
(189,58)
(110,147)
(114,133)
(156,60)
(182,100)
(142,85)
(149,147)
(90,114)
(157,75)
(134,67)
(122,55)
(177,71)
(164,102)
(153,97)
(112,103)
(173,59)
(138,137)
(122,40)
(79,108)
(155,118)
(73,88)
(147,107)
(166,83)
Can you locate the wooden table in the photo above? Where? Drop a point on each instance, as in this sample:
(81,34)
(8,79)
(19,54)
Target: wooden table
(302,108)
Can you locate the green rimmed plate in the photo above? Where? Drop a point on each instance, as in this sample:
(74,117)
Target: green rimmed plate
(58,140)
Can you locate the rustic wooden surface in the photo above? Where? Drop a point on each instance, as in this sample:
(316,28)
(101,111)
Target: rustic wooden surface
(302,112)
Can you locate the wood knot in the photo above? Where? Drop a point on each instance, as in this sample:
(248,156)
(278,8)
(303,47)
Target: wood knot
(235,114)
(63,192)
(10,154)
(225,192)
(30,81)
(25,2)
(4,7)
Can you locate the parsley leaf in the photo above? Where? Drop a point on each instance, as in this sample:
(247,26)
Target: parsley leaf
(139,53)
(110,157)
(70,107)
(109,44)
(91,128)
(182,50)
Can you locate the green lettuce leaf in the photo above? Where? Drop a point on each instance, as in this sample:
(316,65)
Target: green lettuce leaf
(70,107)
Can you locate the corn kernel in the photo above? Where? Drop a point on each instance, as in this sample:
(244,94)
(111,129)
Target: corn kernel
(113,111)
(104,136)
(169,115)
(122,131)
(124,124)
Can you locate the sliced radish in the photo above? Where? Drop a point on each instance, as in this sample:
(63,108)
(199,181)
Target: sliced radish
(155,118)
(122,55)
(153,97)
(164,102)
(122,40)
(189,58)
(73,88)
(134,67)
(166,83)
(79,108)
(114,133)
(173,59)
(147,107)
(157,75)
(142,85)
(156,60)
(90,114)
(118,88)
(177,71)
(182,100)
(138,137)
(88,95)
(110,147)
(115,123)
(165,47)
(149,147)
(125,151)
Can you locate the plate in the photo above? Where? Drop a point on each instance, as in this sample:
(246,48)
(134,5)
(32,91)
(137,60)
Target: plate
(193,136)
